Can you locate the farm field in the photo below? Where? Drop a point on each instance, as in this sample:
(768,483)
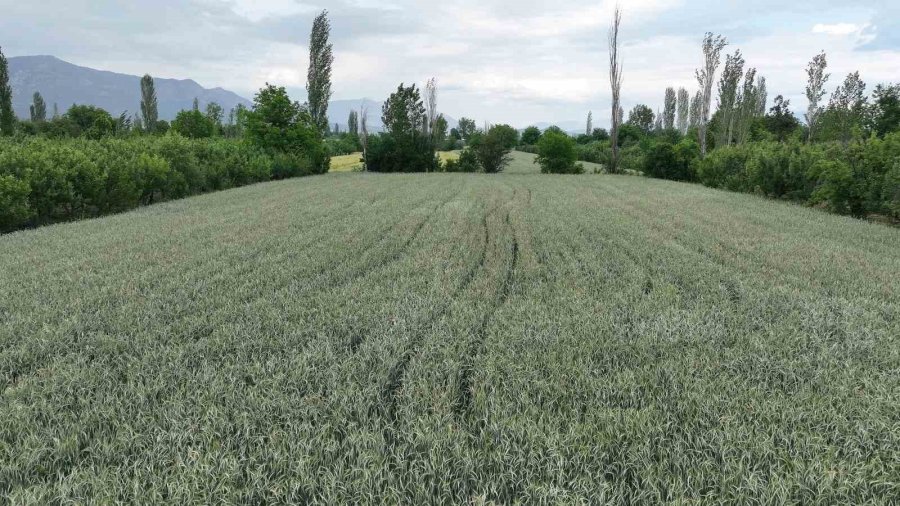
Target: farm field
(352,162)
(452,338)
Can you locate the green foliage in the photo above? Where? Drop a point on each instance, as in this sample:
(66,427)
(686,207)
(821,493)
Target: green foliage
(318,82)
(530,136)
(506,135)
(492,148)
(667,161)
(403,113)
(641,117)
(556,154)
(149,104)
(884,115)
(280,125)
(781,122)
(44,180)
(7,116)
(194,124)
(343,144)
(856,179)
(15,209)
(38,108)
(467,162)
(403,147)
(467,128)
(89,121)
(412,152)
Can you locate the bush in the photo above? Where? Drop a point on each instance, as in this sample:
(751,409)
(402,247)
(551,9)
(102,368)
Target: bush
(467,162)
(411,152)
(492,149)
(14,206)
(667,161)
(530,136)
(556,154)
(856,179)
(194,125)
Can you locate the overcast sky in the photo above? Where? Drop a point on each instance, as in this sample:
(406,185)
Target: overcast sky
(514,62)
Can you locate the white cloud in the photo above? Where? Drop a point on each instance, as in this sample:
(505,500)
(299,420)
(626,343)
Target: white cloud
(841,29)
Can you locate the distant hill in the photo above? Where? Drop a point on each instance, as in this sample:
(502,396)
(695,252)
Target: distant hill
(65,84)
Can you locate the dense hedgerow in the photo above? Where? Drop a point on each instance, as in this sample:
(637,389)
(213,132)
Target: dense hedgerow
(860,178)
(44,181)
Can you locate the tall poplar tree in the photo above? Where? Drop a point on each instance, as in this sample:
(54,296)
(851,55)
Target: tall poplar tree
(684,110)
(38,108)
(669,110)
(149,104)
(815,90)
(712,57)
(7,116)
(318,81)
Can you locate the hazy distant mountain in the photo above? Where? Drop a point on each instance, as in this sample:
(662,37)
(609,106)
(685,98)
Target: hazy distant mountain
(65,84)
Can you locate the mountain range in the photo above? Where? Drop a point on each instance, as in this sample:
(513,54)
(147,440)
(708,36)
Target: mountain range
(64,84)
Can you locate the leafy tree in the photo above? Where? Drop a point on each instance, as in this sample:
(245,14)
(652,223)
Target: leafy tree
(403,112)
(780,121)
(530,136)
(642,117)
(149,104)
(507,134)
(600,134)
(193,124)
(215,114)
(403,147)
(557,154)
(7,116)
(440,129)
(280,125)
(492,148)
(38,108)
(845,115)
(318,81)
(89,121)
(467,128)
(884,114)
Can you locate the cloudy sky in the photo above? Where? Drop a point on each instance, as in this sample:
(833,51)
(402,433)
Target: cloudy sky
(501,61)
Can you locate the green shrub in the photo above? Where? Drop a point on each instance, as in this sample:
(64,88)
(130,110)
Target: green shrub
(194,124)
(556,154)
(411,152)
(492,148)
(667,161)
(14,206)
(467,162)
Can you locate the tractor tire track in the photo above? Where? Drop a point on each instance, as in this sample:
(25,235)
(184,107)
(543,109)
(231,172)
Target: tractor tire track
(463,403)
(398,372)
